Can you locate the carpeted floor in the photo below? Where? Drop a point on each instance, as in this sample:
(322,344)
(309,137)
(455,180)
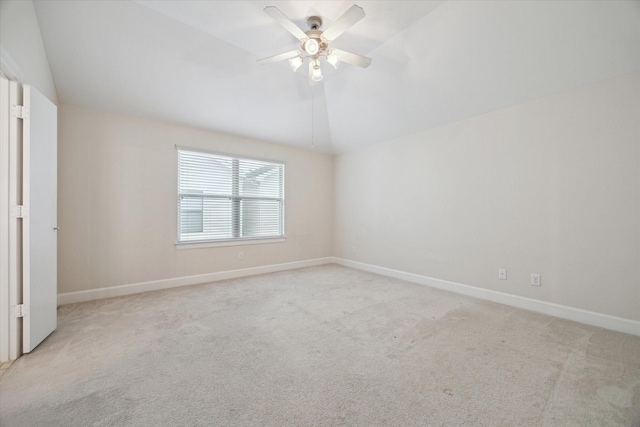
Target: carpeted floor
(326,346)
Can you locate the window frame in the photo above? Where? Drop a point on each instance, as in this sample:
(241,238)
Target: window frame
(235,208)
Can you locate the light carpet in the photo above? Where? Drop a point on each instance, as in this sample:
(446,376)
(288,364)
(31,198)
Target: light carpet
(321,346)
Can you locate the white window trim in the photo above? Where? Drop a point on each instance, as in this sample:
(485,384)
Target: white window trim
(234,242)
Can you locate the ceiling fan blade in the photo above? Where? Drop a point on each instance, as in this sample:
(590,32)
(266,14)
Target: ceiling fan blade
(352,58)
(288,25)
(280,57)
(340,25)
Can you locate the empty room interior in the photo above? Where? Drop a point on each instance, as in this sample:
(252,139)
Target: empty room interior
(301,213)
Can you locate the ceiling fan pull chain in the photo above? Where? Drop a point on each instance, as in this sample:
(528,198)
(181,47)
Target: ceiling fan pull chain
(312,103)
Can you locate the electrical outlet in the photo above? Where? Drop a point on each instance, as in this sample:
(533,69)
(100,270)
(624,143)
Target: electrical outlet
(502,273)
(353,249)
(535,280)
(240,255)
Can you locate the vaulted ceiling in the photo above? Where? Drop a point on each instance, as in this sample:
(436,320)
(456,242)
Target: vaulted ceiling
(434,62)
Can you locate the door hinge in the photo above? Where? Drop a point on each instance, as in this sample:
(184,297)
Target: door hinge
(19,211)
(19,111)
(19,310)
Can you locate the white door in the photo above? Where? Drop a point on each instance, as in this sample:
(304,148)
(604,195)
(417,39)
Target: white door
(40,152)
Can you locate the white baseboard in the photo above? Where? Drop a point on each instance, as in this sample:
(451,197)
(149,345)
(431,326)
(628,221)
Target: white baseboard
(154,285)
(565,312)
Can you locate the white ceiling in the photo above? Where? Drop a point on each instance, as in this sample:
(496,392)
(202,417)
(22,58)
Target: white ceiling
(434,62)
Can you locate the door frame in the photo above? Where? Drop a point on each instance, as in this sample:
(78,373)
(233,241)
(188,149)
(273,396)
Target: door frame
(5,309)
(10,225)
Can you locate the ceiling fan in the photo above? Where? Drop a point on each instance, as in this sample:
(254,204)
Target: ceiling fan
(314,43)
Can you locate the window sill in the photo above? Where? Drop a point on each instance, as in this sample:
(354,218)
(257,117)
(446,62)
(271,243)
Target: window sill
(237,242)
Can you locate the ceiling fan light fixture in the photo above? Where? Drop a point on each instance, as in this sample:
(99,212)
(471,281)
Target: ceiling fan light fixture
(316,72)
(333,59)
(295,63)
(311,46)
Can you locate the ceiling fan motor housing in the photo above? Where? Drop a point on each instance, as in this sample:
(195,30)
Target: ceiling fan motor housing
(314,45)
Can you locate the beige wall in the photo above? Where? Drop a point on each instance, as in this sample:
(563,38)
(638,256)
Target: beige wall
(117,202)
(23,57)
(550,187)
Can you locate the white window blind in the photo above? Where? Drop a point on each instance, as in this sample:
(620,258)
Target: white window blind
(226,198)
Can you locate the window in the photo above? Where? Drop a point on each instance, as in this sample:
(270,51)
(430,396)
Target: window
(226,198)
